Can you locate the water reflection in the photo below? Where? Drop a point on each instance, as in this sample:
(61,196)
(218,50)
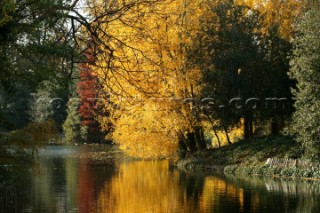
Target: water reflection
(144,186)
(279,195)
(91,181)
(66,183)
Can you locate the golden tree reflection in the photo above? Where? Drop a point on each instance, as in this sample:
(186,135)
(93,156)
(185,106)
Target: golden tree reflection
(151,186)
(141,187)
(214,188)
(81,185)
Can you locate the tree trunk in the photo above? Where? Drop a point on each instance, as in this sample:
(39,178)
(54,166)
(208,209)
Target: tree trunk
(217,136)
(226,132)
(191,142)
(199,136)
(182,146)
(251,128)
(277,125)
(246,126)
(215,132)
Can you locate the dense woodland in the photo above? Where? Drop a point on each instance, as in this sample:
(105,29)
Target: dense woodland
(158,77)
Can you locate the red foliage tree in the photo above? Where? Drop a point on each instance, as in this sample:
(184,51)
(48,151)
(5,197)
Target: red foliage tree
(88,88)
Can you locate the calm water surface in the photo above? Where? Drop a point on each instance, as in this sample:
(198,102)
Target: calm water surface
(64,182)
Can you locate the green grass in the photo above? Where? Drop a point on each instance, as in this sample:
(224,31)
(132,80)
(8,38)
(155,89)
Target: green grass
(253,152)
(249,158)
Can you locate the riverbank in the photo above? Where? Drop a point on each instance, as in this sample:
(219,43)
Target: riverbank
(268,156)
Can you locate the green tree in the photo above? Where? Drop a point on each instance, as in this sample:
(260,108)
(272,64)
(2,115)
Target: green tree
(73,131)
(305,69)
(49,102)
(232,61)
(35,42)
(14,105)
(278,84)
(242,66)
(37,50)
(6,7)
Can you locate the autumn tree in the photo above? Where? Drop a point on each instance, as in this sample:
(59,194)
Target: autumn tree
(276,13)
(147,76)
(88,88)
(145,70)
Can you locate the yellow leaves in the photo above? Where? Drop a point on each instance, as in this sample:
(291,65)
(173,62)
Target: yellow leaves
(144,67)
(274,12)
(277,12)
(146,72)
(150,127)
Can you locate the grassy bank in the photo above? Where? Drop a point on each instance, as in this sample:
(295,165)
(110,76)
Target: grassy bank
(270,156)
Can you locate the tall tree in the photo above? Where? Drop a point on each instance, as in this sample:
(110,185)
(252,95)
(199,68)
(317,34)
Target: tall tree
(88,89)
(73,131)
(148,77)
(231,58)
(242,65)
(305,69)
(35,43)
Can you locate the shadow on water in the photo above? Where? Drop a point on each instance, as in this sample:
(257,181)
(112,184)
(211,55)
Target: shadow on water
(15,167)
(66,182)
(279,195)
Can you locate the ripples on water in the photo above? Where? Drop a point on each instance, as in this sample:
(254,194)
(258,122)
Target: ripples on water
(63,182)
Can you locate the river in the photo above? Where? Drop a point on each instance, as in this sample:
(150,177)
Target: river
(64,182)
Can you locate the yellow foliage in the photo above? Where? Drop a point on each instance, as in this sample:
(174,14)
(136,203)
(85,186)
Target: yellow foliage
(143,67)
(234,134)
(146,72)
(277,12)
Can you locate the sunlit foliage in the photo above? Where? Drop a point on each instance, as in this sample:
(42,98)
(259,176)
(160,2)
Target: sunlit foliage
(146,82)
(276,13)
(147,66)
